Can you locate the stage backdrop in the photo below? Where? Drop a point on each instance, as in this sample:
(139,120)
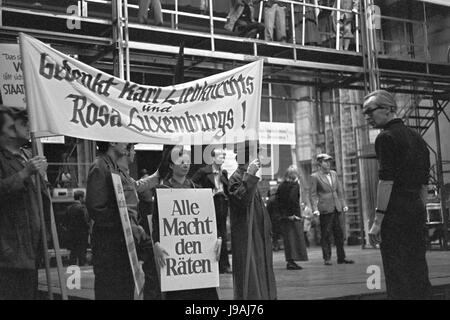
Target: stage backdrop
(68,97)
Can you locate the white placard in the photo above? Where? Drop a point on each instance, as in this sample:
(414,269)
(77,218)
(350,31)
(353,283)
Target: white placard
(138,274)
(188,232)
(11,77)
(277,133)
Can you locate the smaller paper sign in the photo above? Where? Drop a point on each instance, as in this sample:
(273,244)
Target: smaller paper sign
(138,274)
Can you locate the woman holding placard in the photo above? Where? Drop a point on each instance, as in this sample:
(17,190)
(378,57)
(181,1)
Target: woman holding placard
(179,165)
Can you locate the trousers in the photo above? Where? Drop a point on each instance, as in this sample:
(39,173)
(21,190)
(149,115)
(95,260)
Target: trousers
(221,206)
(156,8)
(113,275)
(403,249)
(275,17)
(330,225)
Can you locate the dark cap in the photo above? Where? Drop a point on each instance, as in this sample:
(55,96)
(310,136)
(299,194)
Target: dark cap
(323,157)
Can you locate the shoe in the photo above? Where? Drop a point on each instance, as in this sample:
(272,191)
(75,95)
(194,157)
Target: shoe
(293,266)
(328,263)
(345,261)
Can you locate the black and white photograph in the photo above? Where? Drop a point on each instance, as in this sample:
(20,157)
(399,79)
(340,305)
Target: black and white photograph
(227,155)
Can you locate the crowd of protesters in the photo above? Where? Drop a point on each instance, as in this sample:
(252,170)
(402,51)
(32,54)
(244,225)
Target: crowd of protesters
(404,173)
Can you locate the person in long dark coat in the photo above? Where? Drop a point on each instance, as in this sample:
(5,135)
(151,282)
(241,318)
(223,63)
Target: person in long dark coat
(252,259)
(113,274)
(288,195)
(20,225)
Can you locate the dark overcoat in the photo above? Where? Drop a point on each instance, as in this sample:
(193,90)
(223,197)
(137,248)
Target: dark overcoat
(20,226)
(246,201)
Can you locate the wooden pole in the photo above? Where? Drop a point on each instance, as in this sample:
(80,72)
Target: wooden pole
(59,264)
(43,228)
(54,230)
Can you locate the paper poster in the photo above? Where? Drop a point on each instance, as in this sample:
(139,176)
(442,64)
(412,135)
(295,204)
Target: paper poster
(187,224)
(138,274)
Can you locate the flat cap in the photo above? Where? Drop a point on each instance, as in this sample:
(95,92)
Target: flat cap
(323,157)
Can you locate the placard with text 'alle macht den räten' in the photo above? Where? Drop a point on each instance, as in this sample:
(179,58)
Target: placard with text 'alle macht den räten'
(187,227)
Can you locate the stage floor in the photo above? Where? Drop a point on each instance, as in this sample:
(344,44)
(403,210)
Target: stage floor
(315,281)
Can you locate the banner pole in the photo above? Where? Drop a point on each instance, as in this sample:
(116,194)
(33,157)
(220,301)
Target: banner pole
(59,264)
(39,193)
(54,230)
(43,228)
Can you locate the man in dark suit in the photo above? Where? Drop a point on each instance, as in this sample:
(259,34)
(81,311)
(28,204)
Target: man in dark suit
(20,224)
(399,223)
(212,176)
(327,198)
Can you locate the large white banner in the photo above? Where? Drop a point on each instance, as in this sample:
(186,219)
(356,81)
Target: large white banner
(68,97)
(11,78)
(188,232)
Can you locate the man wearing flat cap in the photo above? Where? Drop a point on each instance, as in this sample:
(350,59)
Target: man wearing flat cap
(327,199)
(251,245)
(20,225)
(399,224)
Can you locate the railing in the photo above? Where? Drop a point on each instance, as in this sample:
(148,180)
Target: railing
(209,25)
(295,8)
(296,11)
